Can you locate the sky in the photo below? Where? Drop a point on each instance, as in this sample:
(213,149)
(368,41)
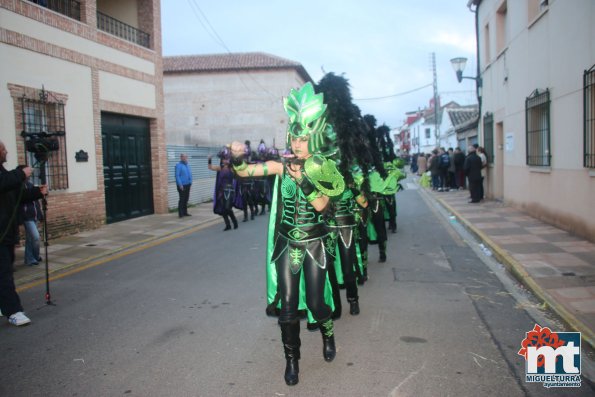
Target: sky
(382,47)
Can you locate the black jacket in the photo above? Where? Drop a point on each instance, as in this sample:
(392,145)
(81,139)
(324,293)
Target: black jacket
(472,167)
(30,211)
(12,194)
(459,160)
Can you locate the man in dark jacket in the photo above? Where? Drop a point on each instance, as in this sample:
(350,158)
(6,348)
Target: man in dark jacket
(472,168)
(12,194)
(459,160)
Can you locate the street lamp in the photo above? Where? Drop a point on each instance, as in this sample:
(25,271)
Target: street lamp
(458,64)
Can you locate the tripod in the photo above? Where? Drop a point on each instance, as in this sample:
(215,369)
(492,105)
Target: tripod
(42,159)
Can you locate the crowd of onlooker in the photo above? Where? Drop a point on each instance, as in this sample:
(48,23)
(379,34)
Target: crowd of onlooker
(452,169)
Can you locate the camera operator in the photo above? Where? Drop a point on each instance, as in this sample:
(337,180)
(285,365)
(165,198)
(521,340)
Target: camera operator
(12,194)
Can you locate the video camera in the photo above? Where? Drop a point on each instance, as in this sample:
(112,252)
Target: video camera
(41,143)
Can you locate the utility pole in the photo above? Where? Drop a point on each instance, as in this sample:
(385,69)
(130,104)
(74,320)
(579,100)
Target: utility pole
(436,105)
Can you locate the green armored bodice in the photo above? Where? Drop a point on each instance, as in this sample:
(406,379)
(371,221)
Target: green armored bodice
(346,204)
(344,210)
(299,220)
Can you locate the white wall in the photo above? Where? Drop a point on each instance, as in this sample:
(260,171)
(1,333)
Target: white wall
(34,70)
(216,108)
(119,89)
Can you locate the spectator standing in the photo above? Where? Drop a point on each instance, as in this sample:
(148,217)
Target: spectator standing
(30,213)
(459,162)
(414,164)
(183,183)
(484,170)
(434,168)
(422,164)
(12,194)
(472,169)
(452,180)
(443,169)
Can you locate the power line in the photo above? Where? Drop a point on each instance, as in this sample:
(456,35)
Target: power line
(211,32)
(215,36)
(394,95)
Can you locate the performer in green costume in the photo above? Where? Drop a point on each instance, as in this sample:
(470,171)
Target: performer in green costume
(376,177)
(297,255)
(395,170)
(352,154)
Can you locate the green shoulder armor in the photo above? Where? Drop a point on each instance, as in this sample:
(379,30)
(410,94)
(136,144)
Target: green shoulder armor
(325,176)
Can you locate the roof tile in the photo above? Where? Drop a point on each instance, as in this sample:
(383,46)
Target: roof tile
(226,62)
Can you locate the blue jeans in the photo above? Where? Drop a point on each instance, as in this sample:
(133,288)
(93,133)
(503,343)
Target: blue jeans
(435,181)
(31,242)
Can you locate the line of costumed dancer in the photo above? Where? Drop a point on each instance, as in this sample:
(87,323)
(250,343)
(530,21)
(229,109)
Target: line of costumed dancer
(242,193)
(317,226)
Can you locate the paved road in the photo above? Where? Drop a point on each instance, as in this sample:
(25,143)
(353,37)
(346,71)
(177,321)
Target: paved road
(186,318)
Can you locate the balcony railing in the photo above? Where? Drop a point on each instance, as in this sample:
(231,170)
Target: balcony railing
(70,8)
(122,30)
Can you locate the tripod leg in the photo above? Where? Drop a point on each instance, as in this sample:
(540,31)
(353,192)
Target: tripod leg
(44,209)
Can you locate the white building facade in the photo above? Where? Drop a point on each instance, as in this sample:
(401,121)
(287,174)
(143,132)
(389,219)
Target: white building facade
(537,66)
(88,73)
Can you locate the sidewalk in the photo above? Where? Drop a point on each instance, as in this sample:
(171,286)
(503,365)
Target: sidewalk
(557,267)
(96,246)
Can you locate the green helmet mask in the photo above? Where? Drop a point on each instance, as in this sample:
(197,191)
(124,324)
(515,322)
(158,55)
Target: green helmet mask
(306,111)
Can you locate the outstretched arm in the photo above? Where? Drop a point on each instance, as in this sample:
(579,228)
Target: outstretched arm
(211,166)
(244,170)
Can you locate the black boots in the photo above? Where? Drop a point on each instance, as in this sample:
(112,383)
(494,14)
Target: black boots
(290,335)
(227,224)
(382,247)
(352,297)
(364,277)
(328,340)
(353,307)
(233,220)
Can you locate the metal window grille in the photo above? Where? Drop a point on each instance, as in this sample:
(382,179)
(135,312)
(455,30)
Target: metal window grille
(537,124)
(45,139)
(70,8)
(589,118)
(122,30)
(488,136)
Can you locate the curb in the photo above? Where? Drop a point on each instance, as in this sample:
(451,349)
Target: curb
(519,272)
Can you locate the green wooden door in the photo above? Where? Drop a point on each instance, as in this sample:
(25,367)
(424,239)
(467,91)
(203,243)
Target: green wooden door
(126,167)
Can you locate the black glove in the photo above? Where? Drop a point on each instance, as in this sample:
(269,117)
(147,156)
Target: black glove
(307,186)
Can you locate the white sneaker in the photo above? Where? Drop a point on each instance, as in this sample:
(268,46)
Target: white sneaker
(19,319)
